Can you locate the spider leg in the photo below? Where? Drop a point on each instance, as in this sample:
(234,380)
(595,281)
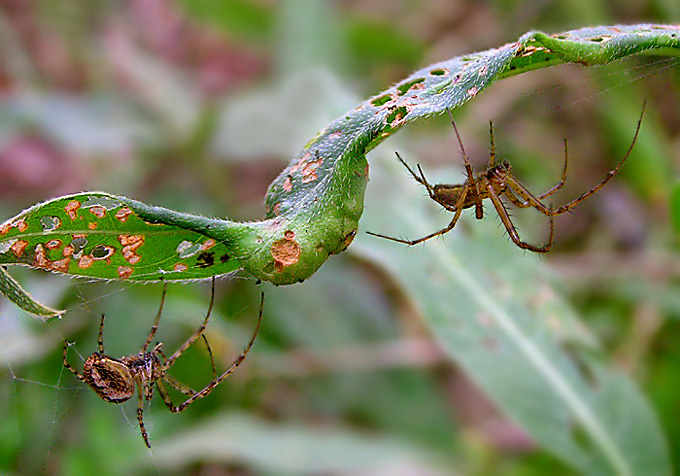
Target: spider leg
(512,231)
(206,391)
(148,386)
(492,145)
(196,334)
(212,358)
(179,386)
(154,328)
(100,339)
(610,175)
(140,413)
(479,209)
(516,190)
(446,229)
(418,178)
(68,366)
(562,181)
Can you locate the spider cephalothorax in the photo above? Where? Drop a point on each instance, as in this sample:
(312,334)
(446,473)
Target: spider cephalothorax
(115,380)
(497,181)
(448,195)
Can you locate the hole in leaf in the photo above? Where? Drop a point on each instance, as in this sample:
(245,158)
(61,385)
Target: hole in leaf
(382,100)
(404,88)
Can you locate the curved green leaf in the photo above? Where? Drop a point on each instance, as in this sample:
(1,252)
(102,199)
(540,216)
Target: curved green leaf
(314,206)
(10,288)
(99,235)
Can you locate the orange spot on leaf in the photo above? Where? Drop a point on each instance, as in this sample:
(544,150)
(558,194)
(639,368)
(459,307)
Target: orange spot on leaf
(72,209)
(85,262)
(285,252)
(309,170)
(277,209)
(124,272)
(18,247)
(98,211)
(300,163)
(61,265)
(130,245)
(123,214)
(41,261)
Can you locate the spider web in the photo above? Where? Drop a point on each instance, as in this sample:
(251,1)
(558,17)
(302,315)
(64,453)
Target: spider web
(40,411)
(633,75)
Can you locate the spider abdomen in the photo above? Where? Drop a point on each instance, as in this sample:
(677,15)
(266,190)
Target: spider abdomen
(109,378)
(448,195)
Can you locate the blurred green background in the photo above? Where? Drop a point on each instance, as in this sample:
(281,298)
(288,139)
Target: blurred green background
(198,104)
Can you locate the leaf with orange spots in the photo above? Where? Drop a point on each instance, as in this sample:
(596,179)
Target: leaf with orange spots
(103,236)
(314,205)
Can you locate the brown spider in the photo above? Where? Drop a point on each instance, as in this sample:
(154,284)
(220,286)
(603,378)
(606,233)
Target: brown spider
(114,380)
(494,182)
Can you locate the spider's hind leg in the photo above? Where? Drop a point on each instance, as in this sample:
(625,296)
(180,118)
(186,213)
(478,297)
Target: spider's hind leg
(206,391)
(196,334)
(446,229)
(512,230)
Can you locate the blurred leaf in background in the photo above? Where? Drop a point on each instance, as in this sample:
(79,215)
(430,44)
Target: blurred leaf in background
(197,105)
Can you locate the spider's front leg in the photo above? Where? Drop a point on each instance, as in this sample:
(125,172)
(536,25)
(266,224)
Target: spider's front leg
(68,365)
(140,412)
(418,178)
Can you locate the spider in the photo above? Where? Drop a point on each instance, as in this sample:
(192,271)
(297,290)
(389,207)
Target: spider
(495,181)
(114,380)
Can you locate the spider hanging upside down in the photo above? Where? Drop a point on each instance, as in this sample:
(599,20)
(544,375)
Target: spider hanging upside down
(114,380)
(493,183)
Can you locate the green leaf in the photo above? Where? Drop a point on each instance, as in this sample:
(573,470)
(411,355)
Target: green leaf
(291,449)
(13,290)
(314,205)
(103,236)
(493,310)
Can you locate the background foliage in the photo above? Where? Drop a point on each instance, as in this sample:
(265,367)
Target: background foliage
(197,105)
